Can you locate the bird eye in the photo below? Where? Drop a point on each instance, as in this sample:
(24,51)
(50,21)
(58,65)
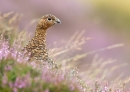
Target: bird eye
(49,19)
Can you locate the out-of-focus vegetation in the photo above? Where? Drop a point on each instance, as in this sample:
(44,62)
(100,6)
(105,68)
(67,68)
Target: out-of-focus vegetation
(9,28)
(105,21)
(17,74)
(116,13)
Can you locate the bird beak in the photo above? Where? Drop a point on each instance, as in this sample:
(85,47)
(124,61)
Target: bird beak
(58,21)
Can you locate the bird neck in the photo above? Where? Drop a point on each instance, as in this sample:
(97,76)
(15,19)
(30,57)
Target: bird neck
(40,34)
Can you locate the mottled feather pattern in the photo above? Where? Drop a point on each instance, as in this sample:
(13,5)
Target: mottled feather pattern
(37,46)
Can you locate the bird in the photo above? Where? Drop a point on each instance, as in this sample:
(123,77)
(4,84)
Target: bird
(37,45)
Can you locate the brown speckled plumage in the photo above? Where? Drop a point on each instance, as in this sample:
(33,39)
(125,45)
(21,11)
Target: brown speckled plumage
(37,46)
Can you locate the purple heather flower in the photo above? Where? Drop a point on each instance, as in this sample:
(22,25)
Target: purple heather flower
(4,80)
(1,54)
(117,90)
(8,68)
(72,87)
(47,90)
(15,90)
(22,82)
(10,84)
(5,49)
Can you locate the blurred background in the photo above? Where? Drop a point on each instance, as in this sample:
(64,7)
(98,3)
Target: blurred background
(107,22)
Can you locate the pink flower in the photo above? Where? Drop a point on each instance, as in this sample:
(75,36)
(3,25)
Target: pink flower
(47,90)
(8,68)
(15,90)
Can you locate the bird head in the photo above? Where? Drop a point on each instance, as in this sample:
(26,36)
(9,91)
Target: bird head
(47,21)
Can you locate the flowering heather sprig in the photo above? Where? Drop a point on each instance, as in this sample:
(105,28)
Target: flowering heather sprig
(7,51)
(4,48)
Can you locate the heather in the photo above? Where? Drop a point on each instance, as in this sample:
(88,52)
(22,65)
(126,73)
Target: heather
(17,74)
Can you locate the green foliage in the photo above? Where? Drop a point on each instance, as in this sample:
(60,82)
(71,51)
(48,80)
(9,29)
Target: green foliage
(21,70)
